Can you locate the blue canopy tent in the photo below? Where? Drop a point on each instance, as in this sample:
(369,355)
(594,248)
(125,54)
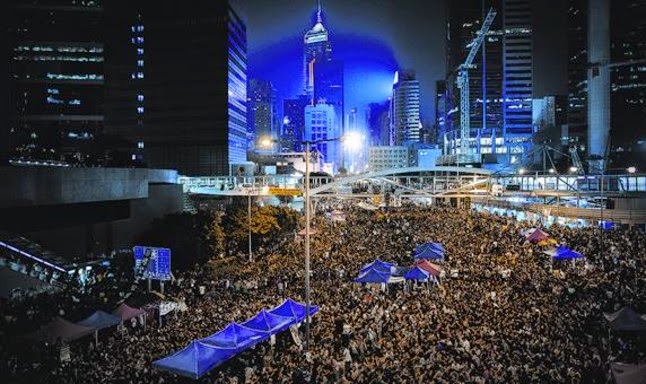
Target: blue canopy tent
(268,322)
(378,265)
(293,309)
(235,337)
(372,276)
(564,253)
(416,273)
(430,251)
(195,360)
(99,320)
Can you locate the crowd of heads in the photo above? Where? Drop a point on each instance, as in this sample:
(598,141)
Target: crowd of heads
(499,315)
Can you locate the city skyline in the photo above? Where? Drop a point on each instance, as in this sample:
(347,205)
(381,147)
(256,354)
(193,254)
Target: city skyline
(370,37)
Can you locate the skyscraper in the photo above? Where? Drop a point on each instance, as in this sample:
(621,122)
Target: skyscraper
(404,109)
(379,124)
(517,77)
(261,109)
(328,87)
(628,82)
(577,74)
(192,112)
(56,80)
(316,49)
(320,124)
(293,123)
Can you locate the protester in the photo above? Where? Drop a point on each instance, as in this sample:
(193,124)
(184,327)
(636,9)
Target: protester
(499,316)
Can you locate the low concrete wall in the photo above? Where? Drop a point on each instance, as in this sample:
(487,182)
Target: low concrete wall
(34,186)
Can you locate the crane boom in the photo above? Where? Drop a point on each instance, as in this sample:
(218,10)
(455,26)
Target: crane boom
(463,82)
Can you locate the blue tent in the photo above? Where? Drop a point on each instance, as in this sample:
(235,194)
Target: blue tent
(372,276)
(195,360)
(235,337)
(99,320)
(430,251)
(293,309)
(269,322)
(379,265)
(417,273)
(564,253)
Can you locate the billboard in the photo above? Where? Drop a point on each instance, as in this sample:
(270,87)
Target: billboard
(158,262)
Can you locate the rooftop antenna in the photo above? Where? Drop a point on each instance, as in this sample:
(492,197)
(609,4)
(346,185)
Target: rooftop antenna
(318,12)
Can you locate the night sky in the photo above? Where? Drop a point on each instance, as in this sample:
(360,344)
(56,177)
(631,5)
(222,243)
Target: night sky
(373,38)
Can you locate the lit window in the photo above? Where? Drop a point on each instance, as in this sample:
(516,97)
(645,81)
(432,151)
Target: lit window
(140,28)
(140,145)
(140,75)
(140,63)
(134,157)
(140,110)
(140,51)
(140,40)
(132,75)
(140,98)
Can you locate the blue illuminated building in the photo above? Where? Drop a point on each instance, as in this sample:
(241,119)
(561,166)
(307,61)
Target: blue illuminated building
(178,98)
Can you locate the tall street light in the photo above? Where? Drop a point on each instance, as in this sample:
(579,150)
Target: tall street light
(249,222)
(308,143)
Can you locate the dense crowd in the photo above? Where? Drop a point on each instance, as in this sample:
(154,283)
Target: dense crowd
(500,315)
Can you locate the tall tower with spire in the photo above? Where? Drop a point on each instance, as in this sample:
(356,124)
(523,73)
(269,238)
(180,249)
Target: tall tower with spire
(316,49)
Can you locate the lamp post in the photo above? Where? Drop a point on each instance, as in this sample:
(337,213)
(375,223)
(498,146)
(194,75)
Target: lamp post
(307,198)
(249,222)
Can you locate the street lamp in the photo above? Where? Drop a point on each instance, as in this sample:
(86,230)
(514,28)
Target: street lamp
(521,171)
(249,222)
(308,143)
(631,169)
(573,169)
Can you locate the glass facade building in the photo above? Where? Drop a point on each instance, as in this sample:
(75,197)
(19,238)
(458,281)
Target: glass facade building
(56,80)
(177,89)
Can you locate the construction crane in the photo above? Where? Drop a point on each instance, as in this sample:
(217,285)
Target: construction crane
(463,82)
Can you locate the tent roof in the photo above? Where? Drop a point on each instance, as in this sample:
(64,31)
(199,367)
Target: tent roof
(125,312)
(372,276)
(537,235)
(628,373)
(293,309)
(626,319)
(195,360)
(432,251)
(61,328)
(378,265)
(268,322)
(432,269)
(235,336)
(562,252)
(100,320)
(416,273)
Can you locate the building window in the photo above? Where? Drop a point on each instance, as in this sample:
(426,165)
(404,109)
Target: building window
(140,145)
(140,98)
(140,75)
(140,63)
(140,51)
(140,110)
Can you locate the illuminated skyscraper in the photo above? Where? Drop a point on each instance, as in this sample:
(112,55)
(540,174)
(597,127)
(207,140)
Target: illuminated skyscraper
(261,111)
(404,109)
(316,49)
(320,124)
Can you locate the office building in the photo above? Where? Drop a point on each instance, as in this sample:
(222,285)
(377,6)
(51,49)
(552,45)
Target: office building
(404,109)
(177,87)
(56,81)
(574,133)
(387,157)
(316,49)
(261,113)
(320,124)
(379,123)
(628,82)
(293,128)
(328,87)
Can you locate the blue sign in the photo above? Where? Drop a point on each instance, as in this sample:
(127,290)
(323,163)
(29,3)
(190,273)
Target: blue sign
(158,262)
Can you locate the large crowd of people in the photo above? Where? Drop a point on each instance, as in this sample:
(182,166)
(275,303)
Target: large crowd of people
(499,315)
